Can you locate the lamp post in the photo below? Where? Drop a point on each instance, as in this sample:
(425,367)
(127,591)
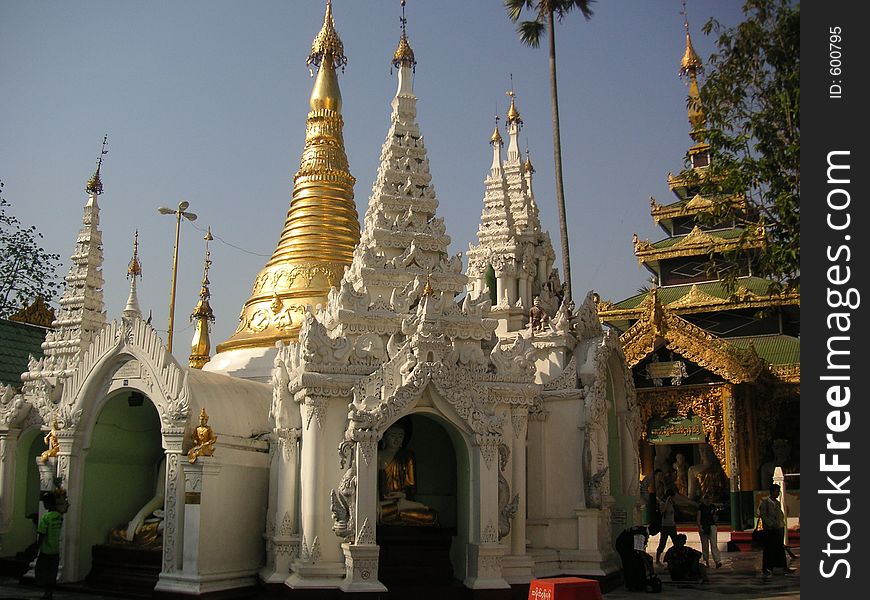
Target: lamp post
(180,212)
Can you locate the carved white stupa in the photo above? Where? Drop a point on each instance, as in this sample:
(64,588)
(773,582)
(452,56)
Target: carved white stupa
(514,256)
(82,313)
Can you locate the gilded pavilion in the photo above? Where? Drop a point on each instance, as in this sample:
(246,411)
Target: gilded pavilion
(715,366)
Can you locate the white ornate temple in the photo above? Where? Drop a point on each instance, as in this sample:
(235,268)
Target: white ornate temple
(516,452)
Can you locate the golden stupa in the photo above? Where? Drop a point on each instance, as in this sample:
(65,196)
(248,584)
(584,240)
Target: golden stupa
(322,226)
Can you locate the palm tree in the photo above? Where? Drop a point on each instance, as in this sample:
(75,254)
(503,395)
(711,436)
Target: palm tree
(546,12)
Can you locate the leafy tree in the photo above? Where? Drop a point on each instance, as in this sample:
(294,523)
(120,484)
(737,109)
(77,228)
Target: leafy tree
(751,104)
(546,12)
(26,270)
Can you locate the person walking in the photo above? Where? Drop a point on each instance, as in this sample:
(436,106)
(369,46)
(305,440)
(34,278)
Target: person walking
(669,524)
(773,525)
(707,530)
(48,539)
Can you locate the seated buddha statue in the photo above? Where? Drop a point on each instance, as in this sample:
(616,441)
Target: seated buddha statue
(145,529)
(203,439)
(397,480)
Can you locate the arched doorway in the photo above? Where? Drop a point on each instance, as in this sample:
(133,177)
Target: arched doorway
(121,473)
(435,554)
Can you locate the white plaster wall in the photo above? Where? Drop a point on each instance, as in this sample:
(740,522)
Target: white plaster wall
(233,512)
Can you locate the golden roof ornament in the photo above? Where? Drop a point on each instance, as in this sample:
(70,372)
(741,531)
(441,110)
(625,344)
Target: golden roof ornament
(527,166)
(404,55)
(496,136)
(36,313)
(428,292)
(692,66)
(327,47)
(95,185)
(513,115)
(321,229)
(200,349)
(134,269)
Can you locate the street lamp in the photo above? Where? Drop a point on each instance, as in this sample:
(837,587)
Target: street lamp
(182,207)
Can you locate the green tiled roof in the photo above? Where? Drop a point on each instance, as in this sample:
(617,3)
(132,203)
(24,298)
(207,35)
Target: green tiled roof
(17,342)
(775,349)
(725,234)
(670,293)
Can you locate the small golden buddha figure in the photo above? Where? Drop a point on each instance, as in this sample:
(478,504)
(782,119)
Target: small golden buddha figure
(397,480)
(203,439)
(50,440)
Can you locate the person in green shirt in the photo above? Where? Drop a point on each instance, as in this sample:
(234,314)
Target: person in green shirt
(48,540)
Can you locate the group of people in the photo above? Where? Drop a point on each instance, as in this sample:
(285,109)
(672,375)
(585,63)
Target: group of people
(666,506)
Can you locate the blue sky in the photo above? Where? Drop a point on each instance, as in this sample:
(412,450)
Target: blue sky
(205,101)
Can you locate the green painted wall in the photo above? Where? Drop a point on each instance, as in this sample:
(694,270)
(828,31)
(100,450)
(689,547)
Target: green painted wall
(120,470)
(22,532)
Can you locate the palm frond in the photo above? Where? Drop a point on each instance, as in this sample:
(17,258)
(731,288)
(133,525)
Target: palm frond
(531,33)
(563,7)
(515,8)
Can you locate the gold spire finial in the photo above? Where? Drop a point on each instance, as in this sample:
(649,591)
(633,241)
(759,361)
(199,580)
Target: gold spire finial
(321,229)
(95,186)
(404,55)
(691,64)
(200,348)
(327,47)
(513,115)
(134,269)
(496,136)
(527,166)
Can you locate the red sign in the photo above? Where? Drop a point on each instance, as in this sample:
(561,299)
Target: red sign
(564,588)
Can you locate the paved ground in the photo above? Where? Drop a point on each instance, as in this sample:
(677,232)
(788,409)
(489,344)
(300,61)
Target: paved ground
(739,578)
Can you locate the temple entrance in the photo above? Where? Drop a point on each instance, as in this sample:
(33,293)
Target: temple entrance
(123,490)
(16,541)
(427,545)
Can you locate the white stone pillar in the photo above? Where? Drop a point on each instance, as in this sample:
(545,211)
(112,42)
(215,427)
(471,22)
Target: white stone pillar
(499,288)
(779,479)
(484,552)
(523,285)
(70,471)
(312,569)
(519,419)
(174,503)
(361,557)
(283,543)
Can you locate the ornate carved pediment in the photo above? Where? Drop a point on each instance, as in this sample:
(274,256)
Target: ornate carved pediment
(696,297)
(659,326)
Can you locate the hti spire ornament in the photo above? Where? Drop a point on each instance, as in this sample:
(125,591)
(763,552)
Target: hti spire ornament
(134,270)
(691,66)
(200,349)
(95,186)
(404,55)
(322,226)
